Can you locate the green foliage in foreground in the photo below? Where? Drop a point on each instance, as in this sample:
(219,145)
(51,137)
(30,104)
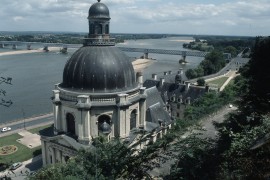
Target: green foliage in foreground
(110,160)
(242,150)
(209,103)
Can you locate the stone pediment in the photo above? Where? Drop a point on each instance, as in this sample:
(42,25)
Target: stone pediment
(66,141)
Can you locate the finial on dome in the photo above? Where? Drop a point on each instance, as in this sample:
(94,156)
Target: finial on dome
(98,0)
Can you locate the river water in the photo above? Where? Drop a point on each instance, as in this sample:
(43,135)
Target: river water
(34,75)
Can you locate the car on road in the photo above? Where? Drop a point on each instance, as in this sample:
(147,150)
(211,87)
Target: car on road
(4,129)
(15,165)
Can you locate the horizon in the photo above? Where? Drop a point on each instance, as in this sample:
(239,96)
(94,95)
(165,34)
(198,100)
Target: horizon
(195,17)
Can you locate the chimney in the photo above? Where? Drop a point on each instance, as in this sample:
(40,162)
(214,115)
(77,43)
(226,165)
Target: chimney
(187,84)
(139,77)
(165,73)
(154,76)
(161,82)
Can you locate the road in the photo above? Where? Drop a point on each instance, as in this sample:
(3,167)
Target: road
(233,65)
(28,123)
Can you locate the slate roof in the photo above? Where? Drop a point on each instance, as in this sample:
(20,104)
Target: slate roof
(155,113)
(169,89)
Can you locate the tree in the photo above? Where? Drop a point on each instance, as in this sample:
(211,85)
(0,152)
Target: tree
(112,160)
(191,73)
(257,99)
(232,50)
(213,62)
(201,82)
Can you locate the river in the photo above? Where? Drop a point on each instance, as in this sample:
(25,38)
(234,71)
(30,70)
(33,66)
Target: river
(34,75)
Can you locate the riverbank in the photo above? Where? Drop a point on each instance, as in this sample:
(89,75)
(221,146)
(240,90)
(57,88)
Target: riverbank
(15,52)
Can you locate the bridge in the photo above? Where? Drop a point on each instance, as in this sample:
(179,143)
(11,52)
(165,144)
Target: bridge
(184,54)
(146,51)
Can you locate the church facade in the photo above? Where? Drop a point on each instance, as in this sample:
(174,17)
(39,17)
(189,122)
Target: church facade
(100,96)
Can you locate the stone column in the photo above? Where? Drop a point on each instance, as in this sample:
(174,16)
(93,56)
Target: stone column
(142,107)
(84,106)
(44,155)
(56,111)
(53,156)
(122,115)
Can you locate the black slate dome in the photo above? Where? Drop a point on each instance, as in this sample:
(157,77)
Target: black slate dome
(99,69)
(99,10)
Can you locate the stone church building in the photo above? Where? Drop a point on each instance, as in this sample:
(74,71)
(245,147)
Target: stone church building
(100,95)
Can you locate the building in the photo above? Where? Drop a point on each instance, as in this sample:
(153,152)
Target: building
(101,96)
(176,92)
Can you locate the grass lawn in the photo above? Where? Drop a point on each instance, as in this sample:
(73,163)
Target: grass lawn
(219,81)
(23,153)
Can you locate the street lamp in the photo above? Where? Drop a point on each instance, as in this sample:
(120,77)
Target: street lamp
(23,118)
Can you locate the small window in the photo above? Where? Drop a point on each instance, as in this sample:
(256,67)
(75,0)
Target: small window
(178,115)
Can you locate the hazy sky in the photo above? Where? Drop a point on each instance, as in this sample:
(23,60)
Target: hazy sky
(218,17)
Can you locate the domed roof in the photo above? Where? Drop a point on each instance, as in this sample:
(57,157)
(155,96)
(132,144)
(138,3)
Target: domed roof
(105,128)
(99,10)
(99,69)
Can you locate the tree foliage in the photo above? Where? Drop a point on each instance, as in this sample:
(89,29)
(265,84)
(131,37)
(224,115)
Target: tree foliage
(213,62)
(111,160)
(201,82)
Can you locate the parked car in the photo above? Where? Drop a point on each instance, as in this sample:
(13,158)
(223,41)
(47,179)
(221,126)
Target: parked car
(4,129)
(15,166)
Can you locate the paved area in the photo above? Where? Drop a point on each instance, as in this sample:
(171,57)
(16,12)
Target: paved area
(30,140)
(27,167)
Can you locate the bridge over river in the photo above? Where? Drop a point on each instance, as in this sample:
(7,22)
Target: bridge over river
(146,51)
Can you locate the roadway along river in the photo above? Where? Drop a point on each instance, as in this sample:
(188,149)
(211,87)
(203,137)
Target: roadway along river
(34,75)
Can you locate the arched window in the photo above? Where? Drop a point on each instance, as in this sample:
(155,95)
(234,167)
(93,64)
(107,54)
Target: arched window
(92,29)
(98,29)
(70,123)
(102,119)
(107,29)
(133,119)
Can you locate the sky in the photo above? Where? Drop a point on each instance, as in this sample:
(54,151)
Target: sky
(209,17)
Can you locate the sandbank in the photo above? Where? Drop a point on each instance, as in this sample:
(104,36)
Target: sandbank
(140,64)
(29,51)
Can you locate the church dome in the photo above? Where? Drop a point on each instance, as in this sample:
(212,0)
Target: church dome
(99,69)
(99,10)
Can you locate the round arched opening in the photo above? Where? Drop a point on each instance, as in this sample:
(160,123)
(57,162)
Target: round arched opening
(107,29)
(102,119)
(133,119)
(70,123)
